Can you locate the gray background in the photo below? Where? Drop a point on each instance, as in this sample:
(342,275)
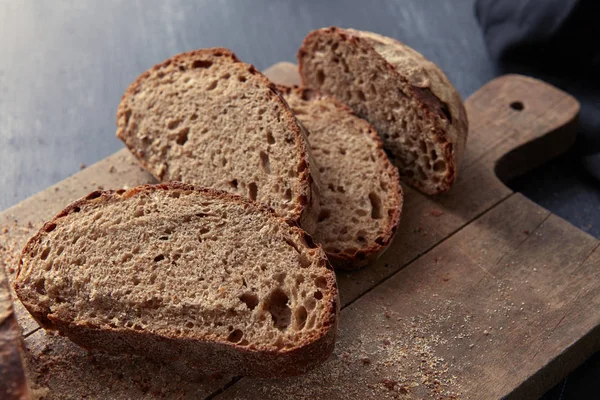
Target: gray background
(65,64)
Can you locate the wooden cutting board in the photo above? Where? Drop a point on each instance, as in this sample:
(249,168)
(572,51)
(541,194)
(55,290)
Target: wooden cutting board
(483,294)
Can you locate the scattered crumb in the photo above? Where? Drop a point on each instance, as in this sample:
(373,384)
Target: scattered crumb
(365,360)
(56,189)
(100,187)
(526,231)
(535,270)
(82,166)
(387,314)
(389,384)
(486,332)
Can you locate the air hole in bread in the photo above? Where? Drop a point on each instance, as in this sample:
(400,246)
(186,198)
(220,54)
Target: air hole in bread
(173,123)
(318,295)
(361,236)
(361,95)
(60,250)
(324,214)
(77,209)
(250,299)
(375,205)
(202,64)
(50,227)
(320,77)
(242,78)
(321,282)
(233,184)
(300,315)
(182,136)
(212,85)
(422,174)
(93,195)
(189,324)
(276,304)
(252,191)
(159,257)
(226,76)
(287,195)
(270,138)
(433,155)
(235,336)
(265,162)
(45,253)
(439,166)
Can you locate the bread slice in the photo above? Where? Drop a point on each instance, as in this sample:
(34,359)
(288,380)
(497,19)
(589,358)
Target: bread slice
(13,382)
(206,118)
(360,194)
(183,274)
(408,99)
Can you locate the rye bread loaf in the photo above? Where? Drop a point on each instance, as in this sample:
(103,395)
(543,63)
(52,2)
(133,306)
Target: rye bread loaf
(206,118)
(183,274)
(408,99)
(360,194)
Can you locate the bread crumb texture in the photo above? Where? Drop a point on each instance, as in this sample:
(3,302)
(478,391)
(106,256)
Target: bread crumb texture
(208,119)
(415,109)
(360,194)
(179,263)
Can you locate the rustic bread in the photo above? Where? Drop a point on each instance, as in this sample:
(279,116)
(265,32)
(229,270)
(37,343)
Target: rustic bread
(13,382)
(360,194)
(183,274)
(408,99)
(208,119)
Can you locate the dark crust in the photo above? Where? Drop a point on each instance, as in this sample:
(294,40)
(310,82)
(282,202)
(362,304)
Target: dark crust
(429,106)
(301,212)
(366,255)
(13,382)
(236,359)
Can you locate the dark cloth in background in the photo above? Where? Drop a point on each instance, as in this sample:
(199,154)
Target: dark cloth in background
(557,41)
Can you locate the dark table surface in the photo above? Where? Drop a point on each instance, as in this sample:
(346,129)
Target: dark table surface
(65,64)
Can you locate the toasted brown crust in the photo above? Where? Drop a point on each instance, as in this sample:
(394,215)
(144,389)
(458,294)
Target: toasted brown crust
(302,214)
(369,253)
(437,98)
(216,356)
(13,383)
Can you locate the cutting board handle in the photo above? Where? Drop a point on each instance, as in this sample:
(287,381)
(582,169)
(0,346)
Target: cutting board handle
(521,123)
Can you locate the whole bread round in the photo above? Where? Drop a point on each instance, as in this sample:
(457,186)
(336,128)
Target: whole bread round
(360,193)
(182,274)
(208,119)
(408,99)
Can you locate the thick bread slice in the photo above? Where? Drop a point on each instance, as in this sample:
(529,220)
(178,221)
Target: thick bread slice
(360,194)
(183,274)
(208,119)
(13,382)
(408,99)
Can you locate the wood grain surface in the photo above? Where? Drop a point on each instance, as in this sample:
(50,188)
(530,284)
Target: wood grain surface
(474,299)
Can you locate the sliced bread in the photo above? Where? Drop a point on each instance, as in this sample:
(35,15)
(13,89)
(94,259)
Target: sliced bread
(206,118)
(360,194)
(183,274)
(408,99)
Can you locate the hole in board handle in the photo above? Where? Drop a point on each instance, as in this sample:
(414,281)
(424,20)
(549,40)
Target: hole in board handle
(517,106)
